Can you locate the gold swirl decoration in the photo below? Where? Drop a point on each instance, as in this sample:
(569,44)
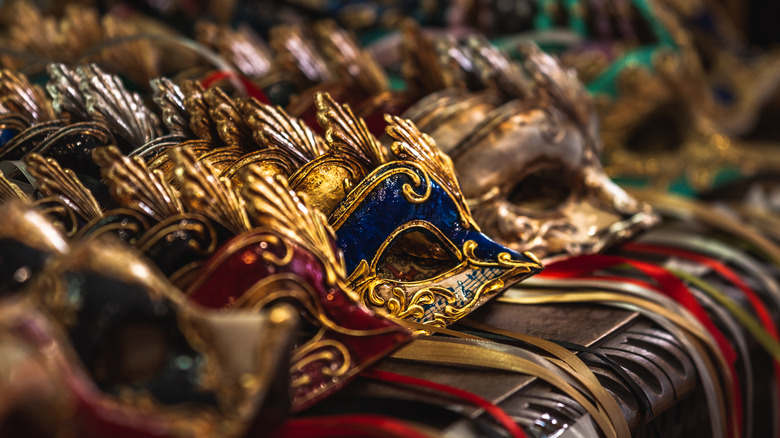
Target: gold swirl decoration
(359,193)
(413,146)
(399,299)
(402,304)
(402,308)
(503,260)
(327,351)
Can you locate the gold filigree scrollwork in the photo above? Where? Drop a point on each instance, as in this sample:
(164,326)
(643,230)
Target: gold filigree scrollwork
(18,95)
(271,203)
(402,308)
(402,304)
(412,145)
(346,132)
(328,351)
(273,127)
(108,100)
(204,191)
(412,170)
(451,313)
(54,181)
(503,260)
(411,195)
(134,186)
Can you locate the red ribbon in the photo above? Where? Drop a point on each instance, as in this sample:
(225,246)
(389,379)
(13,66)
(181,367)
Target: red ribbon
(491,409)
(251,89)
(347,426)
(724,271)
(667,284)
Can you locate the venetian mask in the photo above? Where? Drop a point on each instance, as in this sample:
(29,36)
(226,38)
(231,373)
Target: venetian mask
(530,167)
(411,246)
(125,353)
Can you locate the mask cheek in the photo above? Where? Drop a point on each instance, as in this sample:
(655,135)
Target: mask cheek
(35,397)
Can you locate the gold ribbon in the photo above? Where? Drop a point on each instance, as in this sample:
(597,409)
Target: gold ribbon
(766,340)
(701,342)
(467,352)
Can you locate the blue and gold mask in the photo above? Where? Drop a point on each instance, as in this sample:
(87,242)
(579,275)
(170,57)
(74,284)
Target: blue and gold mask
(410,244)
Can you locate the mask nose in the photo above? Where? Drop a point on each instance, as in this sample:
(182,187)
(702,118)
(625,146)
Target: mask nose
(483,248)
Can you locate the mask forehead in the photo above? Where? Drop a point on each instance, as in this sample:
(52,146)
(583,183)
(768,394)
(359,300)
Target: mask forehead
(512,139)
(450,116)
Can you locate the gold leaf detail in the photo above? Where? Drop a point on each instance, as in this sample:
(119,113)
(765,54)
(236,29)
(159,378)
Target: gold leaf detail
(133,185)
(230,125)
(345,131)
(32,31)
(108,100)
(169,97)
(242,47)
(271,203)
(137,59)
(297,53)
(421,66)
(9,190)
(496,70)
(412,145)
(80,29)
(67,98)
(198,111)
(204,191)
(352,61)
(273,127)
(53,180)
(560,84)
(19,96)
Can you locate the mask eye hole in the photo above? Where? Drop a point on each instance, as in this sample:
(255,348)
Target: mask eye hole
(661,131)
(542,190)
(416,255)
(134,352)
